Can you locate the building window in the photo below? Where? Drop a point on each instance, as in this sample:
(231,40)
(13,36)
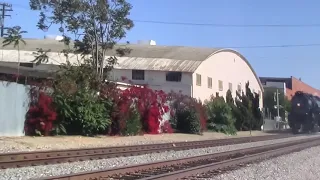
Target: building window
(230,87)
(198,79)
(259,92)
(137,74)
(239,88)
(174,76)
(210,82)
(220,85)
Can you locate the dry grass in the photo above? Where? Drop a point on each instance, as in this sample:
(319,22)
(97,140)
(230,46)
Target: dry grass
(66,142)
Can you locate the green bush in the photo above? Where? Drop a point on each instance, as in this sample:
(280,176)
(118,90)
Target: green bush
(83,113)
(188,121)
(220,117)
(187,115)
(133,124)
(80,110)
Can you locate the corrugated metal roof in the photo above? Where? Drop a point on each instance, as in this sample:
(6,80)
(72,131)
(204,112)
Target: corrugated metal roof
(33,44)
(42,70)
(170,52)
(137,50)
(157,64)
(147,57)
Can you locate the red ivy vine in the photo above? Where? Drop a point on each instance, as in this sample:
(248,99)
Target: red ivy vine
(41,114)
(150,104)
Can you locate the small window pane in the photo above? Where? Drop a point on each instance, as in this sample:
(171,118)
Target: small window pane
(230,87)
(137,74)
(174,76)
(198,79)
(210,82)
(220,85)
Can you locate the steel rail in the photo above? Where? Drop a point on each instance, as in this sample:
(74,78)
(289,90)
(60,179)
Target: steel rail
(35,158)
(149,169)
(196,172)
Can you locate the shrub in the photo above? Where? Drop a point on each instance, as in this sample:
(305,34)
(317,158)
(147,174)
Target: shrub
(188,115)
(41,114)
(133,124)
(220,117)
(80,110)
(82,113)
(149,103)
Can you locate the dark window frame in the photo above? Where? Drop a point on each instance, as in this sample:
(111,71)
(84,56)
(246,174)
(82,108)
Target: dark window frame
(210,82)
(138,74)
(174,76)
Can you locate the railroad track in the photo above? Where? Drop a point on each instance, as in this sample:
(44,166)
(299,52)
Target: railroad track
(35,158)
(196,167)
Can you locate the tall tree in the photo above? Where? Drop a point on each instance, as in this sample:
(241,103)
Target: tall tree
(96,26)
(229,98)
(14,37)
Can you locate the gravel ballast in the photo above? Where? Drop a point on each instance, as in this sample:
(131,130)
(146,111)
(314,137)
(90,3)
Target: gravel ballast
(67,168)
(303,165)
(27,143)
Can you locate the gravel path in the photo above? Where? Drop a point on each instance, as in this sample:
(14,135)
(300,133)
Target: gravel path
(67,168)
(27,143)
(303,165)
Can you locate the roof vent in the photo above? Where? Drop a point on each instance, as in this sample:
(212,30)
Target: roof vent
(53,37)
(147,42)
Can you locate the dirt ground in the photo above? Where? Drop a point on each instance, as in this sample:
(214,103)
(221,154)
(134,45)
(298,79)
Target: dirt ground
(13,144)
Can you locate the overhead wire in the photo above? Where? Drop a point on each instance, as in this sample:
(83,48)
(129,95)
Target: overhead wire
(273,46)
(226,25)
(208,24)
(232,25)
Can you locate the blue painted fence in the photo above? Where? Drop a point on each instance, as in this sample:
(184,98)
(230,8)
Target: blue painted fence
(14,103)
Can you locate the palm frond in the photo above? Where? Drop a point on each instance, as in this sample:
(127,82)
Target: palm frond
(16,43)
(23,41)
(6,44)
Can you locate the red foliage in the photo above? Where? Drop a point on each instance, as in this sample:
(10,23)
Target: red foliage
(200,108)
(150,104)
(167,127)
(41,115)
(184,102)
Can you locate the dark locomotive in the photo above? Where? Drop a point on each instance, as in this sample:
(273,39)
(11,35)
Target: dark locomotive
(305,113)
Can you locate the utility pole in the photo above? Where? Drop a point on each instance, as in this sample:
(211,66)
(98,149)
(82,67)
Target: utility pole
(5,7)
(278,107)
(278,118)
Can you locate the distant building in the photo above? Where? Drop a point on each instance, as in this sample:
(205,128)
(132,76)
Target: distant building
(291,85)
(197,72)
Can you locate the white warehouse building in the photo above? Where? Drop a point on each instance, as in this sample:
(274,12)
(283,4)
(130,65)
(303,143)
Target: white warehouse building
(197,72)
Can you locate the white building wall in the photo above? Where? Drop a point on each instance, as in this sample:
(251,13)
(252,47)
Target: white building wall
(225,66)
(229,68)
(156,80)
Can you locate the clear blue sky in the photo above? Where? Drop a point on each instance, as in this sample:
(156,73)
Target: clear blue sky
(282,62)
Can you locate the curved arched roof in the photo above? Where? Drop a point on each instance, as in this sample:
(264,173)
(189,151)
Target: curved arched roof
(245,60)
(145,57)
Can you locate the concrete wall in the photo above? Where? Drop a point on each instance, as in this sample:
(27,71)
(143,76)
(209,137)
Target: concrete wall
(14,104)
(227,67)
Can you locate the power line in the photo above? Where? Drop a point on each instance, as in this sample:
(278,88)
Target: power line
(212,24)
(227,25)
(4,15)
(233,25)
(273,46)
